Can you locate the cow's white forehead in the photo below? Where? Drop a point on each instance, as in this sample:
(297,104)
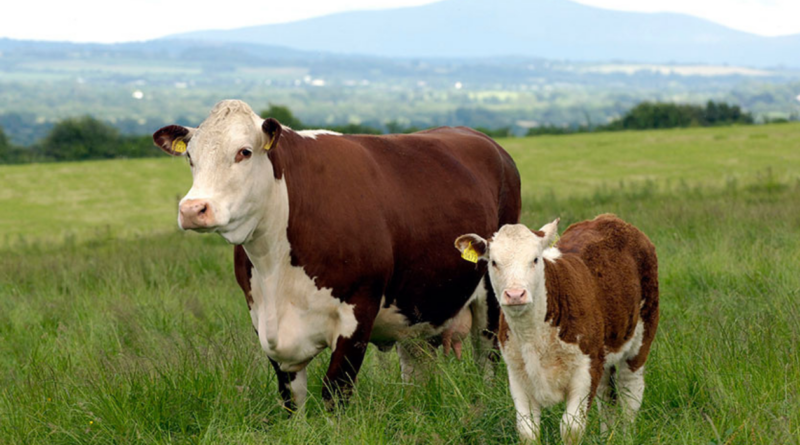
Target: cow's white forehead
(227,110)
(514,239)
(229,119)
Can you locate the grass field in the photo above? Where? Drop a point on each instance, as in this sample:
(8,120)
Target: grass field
(117,328)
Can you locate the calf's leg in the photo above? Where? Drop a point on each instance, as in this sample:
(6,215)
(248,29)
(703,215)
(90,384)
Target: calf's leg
(415,358)
(630,387)
(582,388)
(528,410)
(607,401)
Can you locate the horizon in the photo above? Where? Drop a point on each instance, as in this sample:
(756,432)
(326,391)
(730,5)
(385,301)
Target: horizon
(768,18)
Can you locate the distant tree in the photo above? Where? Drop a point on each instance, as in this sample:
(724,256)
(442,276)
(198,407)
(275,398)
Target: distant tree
(653,115)
(284,115)
(5,147)
(81,138)
(553,129)
(395,127)
(503,132)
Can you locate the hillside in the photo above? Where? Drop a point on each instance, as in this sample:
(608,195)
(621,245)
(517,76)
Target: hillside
(555,29)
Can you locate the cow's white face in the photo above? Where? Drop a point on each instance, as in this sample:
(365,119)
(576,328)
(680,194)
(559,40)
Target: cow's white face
(232,174)
(516,263)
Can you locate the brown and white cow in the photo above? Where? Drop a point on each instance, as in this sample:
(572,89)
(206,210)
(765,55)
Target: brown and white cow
(573,316)
(344,240)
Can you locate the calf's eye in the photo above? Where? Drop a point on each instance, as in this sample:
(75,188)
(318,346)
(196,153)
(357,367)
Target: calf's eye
(243,154)
(536,260)
(494,263)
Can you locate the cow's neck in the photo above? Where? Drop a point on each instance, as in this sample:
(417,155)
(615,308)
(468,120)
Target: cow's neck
(269,245)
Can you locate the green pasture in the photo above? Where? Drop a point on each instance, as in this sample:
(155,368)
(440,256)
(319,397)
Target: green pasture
(117,328)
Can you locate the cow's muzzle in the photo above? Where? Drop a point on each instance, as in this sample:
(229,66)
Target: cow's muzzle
(196,214)
(514,297)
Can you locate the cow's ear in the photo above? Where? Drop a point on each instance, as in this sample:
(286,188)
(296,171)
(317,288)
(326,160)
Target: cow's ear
(472,247)
(173,139)
(272,130)
(549,232)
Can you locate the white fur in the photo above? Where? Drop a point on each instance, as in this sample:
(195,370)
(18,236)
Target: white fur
(551,253)
(312,134)
(299,388)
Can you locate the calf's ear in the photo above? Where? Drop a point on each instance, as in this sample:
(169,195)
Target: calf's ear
(549,232)
(272,132)
(472,247)
(173,139)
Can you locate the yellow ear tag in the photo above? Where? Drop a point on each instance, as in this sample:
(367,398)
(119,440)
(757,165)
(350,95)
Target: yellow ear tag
(268,145)
(470,254)
(178,146)
(555,240)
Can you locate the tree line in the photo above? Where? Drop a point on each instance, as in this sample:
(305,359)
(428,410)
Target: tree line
(85,138)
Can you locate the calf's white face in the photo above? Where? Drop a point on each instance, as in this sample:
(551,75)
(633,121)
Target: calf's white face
(516,264)
(231,171)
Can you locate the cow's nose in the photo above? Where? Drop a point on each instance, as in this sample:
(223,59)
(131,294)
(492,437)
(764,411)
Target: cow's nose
(196,214)
(514,296)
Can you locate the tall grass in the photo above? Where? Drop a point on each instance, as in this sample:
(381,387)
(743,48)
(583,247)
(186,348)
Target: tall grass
(147,339)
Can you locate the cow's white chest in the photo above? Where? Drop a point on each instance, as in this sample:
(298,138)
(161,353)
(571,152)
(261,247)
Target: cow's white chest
(294,318)
(547,363)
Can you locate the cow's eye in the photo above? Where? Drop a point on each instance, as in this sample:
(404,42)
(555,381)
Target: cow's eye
(243,154)
(536,260)
(494,263)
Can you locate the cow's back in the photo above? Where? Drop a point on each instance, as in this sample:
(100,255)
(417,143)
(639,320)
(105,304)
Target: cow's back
(382,211)
(623,263)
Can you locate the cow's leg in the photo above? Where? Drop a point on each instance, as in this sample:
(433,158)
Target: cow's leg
(414,356)
(285,380)
(579,398)
(607,401)
(630,388)
(349,352)
(528,411)
(485,320)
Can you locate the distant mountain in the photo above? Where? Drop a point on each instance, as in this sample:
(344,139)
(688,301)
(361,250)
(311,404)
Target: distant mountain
(553,29)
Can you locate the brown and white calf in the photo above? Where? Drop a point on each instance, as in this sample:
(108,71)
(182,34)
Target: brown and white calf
(573,316)
(343,240)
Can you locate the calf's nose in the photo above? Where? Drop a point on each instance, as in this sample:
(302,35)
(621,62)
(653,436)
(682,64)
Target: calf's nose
(196,214)
(514,296)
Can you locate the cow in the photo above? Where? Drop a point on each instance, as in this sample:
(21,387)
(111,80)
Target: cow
(573,315)
(344,240)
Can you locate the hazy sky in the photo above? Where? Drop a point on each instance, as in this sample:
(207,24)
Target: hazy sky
(110,21)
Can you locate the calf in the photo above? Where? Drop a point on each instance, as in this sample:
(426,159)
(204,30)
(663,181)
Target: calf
(572,315)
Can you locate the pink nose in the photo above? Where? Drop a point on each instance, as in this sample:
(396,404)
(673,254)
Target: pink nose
(196,214)
(514,297)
